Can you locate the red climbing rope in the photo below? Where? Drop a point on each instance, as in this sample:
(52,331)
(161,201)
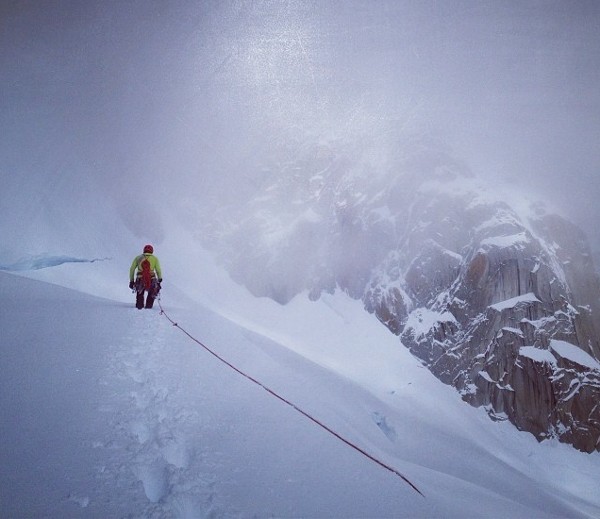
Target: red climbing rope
(294,406)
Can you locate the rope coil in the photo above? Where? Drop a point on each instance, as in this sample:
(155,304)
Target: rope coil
(291,404)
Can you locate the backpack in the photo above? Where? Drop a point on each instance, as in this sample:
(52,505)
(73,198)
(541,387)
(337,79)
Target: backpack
(146,270)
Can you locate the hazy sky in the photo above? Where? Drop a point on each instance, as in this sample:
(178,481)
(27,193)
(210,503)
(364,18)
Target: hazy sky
(119,95)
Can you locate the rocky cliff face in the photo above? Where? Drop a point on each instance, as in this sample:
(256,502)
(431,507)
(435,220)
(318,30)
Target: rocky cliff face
(502,304)
(515,325)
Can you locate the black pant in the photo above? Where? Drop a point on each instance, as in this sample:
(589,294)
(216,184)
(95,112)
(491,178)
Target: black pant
(152,292)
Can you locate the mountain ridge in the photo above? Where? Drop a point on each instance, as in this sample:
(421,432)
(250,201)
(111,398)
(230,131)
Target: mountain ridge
(429,243)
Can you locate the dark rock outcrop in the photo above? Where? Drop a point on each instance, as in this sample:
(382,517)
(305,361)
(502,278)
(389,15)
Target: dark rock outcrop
(519,300)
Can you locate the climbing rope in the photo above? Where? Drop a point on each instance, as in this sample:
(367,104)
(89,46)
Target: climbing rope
(291,404)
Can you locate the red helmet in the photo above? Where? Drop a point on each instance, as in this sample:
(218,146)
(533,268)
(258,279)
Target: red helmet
(148,249)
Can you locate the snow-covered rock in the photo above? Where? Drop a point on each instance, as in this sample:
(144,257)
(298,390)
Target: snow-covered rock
(515,292)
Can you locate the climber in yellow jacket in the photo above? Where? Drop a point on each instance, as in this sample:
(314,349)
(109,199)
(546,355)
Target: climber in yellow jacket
(145,275)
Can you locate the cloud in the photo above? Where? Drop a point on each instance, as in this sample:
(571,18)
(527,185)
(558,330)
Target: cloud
(184,99)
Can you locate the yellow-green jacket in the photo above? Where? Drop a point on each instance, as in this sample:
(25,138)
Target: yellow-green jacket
(137,264)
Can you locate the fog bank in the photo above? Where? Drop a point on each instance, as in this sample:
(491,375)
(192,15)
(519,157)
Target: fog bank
(134,109)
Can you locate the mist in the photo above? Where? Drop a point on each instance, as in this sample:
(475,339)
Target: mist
(134,110)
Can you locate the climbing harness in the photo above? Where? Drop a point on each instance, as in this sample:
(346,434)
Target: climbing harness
(291,404)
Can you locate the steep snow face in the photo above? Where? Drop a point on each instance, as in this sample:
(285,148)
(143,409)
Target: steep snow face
(465,275)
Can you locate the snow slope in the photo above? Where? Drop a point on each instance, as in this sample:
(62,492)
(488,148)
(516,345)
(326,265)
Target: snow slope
(111,412)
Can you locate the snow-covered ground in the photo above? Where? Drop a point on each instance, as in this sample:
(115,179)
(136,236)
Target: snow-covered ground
(108,411)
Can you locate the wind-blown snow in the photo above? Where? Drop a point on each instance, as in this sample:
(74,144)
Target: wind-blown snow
(110,411)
